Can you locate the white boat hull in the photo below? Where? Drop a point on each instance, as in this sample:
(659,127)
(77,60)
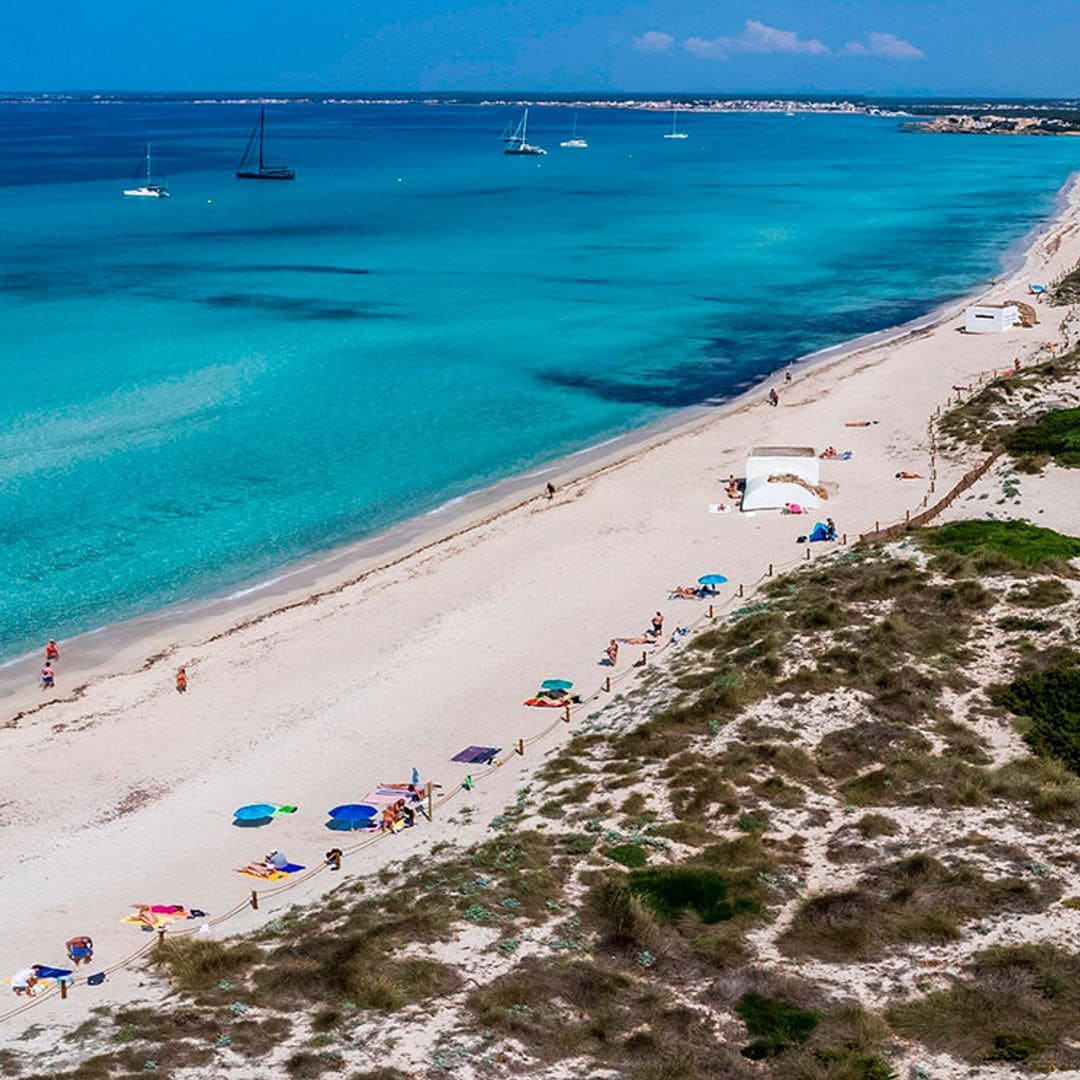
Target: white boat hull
(575,144)
(146,193)
(676,135)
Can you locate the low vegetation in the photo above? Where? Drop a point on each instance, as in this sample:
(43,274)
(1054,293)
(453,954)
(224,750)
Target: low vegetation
(1017,1005)
(1056,437)
(624,912)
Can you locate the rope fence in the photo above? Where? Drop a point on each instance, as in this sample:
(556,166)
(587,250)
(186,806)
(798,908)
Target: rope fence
(603,691)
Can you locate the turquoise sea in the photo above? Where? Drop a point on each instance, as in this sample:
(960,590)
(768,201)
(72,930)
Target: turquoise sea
(198,390)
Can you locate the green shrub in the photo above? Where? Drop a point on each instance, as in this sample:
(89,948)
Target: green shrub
(631,855)
(672,891)
(1002,544)
(1050,701)
(1056,435)
(774,1024)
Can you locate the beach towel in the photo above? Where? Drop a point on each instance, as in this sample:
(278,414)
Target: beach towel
(547,703)
(274,875)
(53,973)
(477,755)
(159,915)
(390,793)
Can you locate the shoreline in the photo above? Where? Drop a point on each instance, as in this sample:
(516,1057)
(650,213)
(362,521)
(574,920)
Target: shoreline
(313,703)
(319,573)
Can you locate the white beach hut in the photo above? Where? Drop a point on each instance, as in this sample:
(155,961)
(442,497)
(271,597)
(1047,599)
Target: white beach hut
(778,475)
(990,318)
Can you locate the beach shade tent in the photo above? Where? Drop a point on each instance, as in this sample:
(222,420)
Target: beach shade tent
(712,579)
(779,475)
(556,684)
(352,816)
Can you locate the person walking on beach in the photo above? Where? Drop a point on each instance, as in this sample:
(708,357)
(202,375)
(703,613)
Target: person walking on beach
(52,652)
(550,490)
(657,625)
(181,680)
(774,397)
(47,677)
(80,950)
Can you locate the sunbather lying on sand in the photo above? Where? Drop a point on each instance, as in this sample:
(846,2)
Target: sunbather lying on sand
(684,592)
(908,476)
(636,640)
(859,423)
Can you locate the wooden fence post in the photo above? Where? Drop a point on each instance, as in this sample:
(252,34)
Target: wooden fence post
(254,900)
(808,551)
(907,517)
(566,715)
(644,658)
(161,935)
(63,987)
(521,747)
(430,801)
(710,611)
(742,591)
(607,684)
(843,539)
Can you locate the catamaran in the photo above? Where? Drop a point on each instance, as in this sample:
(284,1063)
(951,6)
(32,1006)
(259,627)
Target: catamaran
(244,170)
(675,133)
(148,190)
(518,143)
(575,142)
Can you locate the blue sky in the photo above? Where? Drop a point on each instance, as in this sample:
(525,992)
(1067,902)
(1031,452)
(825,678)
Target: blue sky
(858,46)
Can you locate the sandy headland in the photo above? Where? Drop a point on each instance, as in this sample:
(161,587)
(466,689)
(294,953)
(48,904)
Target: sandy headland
(355,670)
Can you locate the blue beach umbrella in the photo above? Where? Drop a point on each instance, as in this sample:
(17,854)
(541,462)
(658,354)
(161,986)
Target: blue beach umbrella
(711,579)
(351,816)
(255,812)
(556,684)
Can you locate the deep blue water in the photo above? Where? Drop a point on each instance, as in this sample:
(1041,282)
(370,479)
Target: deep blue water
(195,391)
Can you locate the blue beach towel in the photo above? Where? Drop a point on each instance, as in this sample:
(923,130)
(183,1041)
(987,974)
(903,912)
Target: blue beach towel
(477,755)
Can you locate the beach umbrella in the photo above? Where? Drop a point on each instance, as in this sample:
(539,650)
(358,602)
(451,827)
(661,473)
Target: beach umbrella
(352,815)
(556,684)
(261,811)
(711,579)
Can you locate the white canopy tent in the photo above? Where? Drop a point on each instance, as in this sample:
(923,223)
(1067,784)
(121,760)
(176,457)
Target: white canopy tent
(766,461)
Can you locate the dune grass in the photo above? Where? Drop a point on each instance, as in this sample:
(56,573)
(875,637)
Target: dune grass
(773,1024)
(1018,1005)
(916,900)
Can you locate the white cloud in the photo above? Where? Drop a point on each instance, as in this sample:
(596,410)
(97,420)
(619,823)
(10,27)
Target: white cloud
(885,46)
(755,38)
(654,41)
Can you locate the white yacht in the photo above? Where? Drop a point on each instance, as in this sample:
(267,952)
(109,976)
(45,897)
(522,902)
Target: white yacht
(519,144)
(675,133)
(575,142)
(149,190)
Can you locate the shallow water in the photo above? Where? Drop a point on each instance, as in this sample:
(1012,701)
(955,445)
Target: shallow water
(197,390)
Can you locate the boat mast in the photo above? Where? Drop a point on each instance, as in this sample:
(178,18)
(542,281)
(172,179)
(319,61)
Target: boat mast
(262,128)
(147,164)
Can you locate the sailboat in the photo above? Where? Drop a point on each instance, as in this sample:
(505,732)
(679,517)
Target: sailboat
(575,141)
(244,171)
(519,144)
(149,190)
(675,133)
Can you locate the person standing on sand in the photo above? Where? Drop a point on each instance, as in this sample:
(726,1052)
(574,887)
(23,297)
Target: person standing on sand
(47,677)
(657,625)
(52,652)
(181,680)
(774,397)
(550,490)
(612,651)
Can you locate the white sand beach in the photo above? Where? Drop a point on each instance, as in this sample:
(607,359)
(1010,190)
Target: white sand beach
(119,790)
